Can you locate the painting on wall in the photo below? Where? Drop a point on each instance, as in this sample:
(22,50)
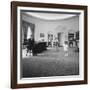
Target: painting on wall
(49,44)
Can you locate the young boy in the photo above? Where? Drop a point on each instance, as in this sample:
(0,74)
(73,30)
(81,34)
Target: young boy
(66,48)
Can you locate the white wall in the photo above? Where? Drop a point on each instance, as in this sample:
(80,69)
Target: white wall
(5,45)
(44,26)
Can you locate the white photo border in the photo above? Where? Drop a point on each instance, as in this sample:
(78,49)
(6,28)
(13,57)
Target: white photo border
(56,78)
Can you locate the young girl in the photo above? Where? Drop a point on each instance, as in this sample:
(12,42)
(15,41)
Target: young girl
(66,48)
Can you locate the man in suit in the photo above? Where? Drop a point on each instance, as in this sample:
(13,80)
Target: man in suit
(30,46)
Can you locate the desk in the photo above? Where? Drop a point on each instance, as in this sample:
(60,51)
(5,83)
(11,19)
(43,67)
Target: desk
(40,47)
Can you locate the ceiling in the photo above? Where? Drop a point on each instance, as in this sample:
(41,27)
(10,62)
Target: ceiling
(50,16)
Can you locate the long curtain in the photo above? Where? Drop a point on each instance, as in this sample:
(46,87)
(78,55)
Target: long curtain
(29,33)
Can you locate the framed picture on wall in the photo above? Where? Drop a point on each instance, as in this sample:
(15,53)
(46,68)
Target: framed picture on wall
(48,44)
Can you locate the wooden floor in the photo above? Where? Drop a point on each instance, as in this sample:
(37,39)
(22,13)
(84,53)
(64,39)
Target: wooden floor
(52,62)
